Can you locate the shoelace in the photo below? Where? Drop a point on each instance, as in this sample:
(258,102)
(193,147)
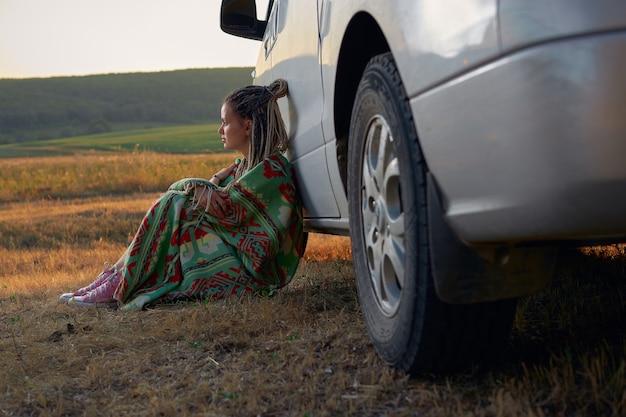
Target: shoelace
(104,275)
(104,292)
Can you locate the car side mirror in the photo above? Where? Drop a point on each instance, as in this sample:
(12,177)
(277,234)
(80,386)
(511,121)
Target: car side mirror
(238,17)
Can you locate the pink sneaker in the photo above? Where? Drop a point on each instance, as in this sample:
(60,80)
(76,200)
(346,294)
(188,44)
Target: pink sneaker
(104,275)
(100,296)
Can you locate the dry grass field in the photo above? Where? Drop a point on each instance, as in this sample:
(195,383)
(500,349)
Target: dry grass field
(302,352)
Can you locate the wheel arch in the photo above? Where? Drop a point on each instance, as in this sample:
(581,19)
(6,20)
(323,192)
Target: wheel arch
(363,39)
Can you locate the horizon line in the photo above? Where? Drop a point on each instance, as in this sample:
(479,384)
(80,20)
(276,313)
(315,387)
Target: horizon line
(27,77)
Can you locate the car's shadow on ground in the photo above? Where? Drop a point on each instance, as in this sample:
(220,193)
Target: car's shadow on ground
(581,309)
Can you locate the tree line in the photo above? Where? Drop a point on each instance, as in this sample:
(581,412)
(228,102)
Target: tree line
(46,108)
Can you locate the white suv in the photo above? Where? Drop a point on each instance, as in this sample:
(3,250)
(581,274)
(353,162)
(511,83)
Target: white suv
(458,142)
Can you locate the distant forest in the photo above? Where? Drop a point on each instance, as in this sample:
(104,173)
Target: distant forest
(58,107)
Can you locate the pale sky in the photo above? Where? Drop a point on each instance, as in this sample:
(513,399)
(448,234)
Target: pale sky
(44,38)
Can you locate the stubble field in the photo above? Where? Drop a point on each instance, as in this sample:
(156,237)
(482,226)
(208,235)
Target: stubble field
(302,352)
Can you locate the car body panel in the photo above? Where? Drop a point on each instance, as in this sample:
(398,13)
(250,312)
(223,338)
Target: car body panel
(426,38)
(540,155)
(302,111)
(524,22)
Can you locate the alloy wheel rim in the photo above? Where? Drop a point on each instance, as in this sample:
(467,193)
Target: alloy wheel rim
(383,216)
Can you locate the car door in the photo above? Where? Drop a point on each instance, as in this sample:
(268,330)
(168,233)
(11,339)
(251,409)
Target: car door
(290,50)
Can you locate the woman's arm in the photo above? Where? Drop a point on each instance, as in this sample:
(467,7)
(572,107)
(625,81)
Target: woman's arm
(205,194)
(222,174)
(215,202)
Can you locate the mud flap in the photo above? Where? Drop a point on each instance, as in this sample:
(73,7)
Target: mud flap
(469,274)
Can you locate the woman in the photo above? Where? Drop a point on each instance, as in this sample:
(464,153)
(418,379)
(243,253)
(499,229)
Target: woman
(239,232)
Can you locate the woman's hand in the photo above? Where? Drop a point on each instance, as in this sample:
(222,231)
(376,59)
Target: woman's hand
(219,204)
(212,201)
(222,174)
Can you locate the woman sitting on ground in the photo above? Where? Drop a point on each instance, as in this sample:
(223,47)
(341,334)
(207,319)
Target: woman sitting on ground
(239,232)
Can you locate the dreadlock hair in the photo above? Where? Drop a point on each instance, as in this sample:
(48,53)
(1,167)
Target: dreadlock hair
(268,133)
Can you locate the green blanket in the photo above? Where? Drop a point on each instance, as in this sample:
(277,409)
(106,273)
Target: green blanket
(180,252)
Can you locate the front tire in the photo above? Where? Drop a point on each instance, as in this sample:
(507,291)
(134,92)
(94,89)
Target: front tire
(409,326)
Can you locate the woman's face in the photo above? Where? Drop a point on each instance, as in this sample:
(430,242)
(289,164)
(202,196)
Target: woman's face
(235,130)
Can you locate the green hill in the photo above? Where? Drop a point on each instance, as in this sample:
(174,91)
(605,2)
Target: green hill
(189,139)
(61,107)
